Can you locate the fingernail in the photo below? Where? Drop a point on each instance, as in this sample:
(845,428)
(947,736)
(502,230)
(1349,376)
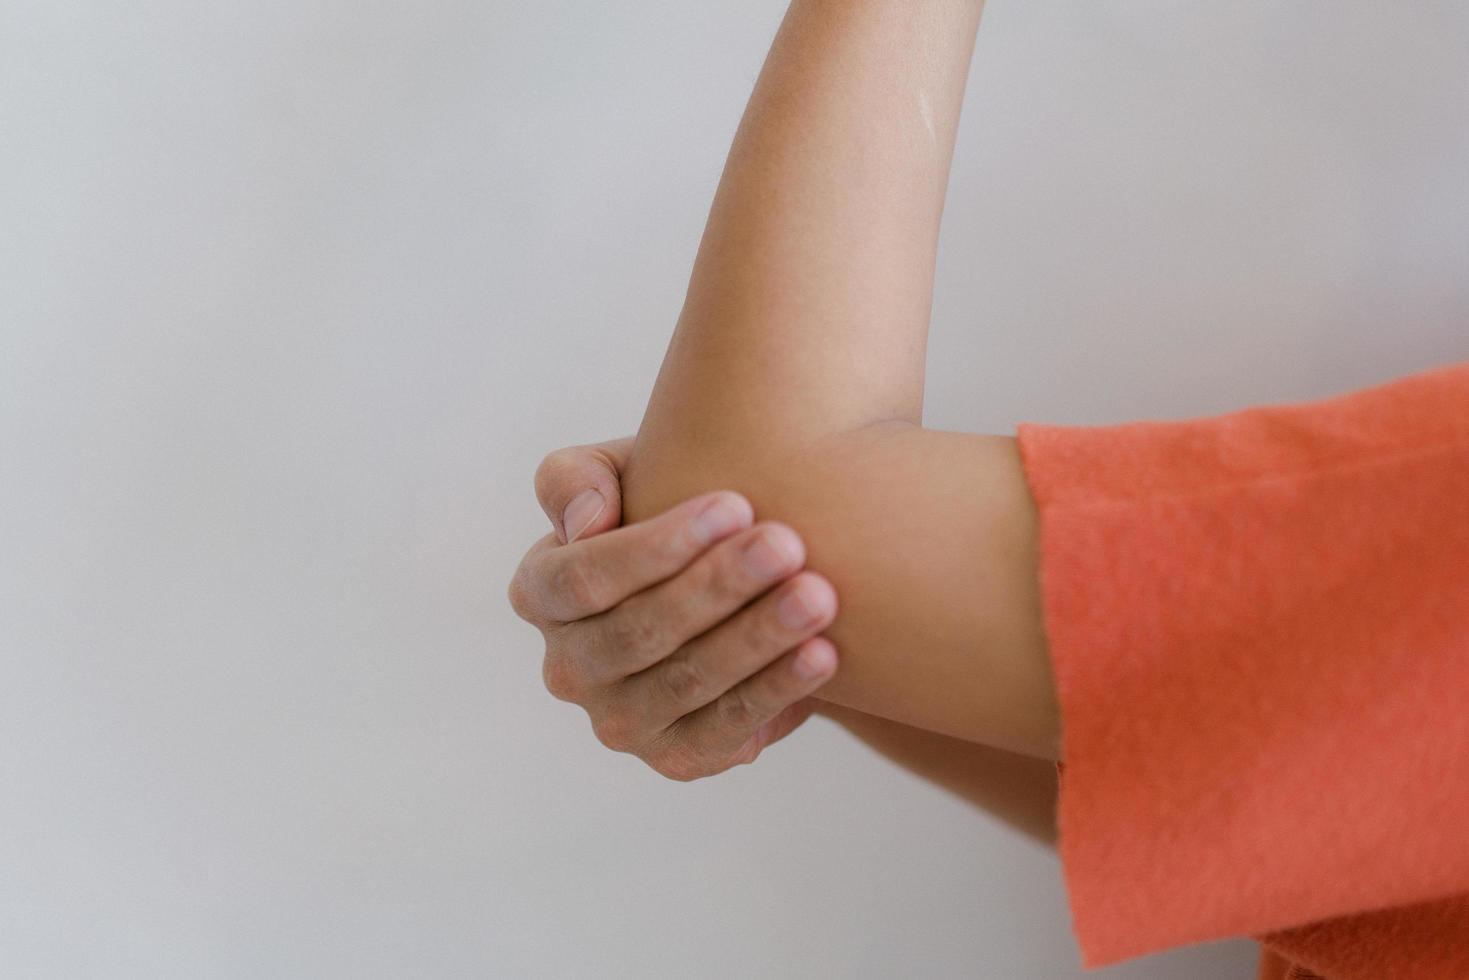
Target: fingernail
(584,508)
(718,520)
(814,660)
(799,608)
(772,553)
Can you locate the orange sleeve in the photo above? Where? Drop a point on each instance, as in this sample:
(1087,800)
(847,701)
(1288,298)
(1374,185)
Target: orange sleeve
(1259,625)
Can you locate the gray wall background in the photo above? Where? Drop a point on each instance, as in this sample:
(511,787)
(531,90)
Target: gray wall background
(294,295)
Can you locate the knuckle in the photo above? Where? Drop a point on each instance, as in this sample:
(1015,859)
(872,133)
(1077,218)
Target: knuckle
(523,590)
(683,681)
(748,753)
(681,765)
(632,629)
(705,576)
(667,541)
(562,680)
(719,581)
(551,466)
(735,711)
(519,594)
(616,730)
(726,580)
(581,583)
(761,631)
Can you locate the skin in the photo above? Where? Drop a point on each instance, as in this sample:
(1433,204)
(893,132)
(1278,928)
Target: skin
(795,377)
(654,614)
(664,632)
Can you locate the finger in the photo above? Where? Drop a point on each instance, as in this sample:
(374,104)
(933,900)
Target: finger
(712,665)
(580,488)
(654,623)
(726,732)
(525,584)
(789,719)
(592,575)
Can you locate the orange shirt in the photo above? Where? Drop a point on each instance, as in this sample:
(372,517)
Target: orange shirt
(1259,625)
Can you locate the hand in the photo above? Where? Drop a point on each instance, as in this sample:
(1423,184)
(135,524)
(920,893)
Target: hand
(691,639)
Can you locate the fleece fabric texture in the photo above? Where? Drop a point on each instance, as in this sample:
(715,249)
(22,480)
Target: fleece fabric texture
(1259,626)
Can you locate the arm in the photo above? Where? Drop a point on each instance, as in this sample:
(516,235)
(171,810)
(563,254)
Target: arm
(580,491)
(1019,790)
(674,643)
(795,376)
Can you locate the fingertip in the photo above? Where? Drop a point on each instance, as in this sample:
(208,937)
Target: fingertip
(581,513)
(720,514)
(738,504)
(817,593)
(815,659)
(788,549)
(566,474)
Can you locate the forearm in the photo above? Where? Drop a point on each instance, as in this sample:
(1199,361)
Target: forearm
(1019,790)
(932,542)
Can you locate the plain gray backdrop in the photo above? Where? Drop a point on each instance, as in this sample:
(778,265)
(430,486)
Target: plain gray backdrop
(294,296)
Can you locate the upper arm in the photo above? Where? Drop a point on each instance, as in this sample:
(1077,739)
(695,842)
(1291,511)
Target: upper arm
(930,540)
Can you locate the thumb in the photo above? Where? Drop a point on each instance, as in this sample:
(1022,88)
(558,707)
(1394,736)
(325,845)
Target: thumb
(580,488)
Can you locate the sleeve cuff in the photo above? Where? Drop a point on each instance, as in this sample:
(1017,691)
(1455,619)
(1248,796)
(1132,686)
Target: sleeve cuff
(1259,628)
